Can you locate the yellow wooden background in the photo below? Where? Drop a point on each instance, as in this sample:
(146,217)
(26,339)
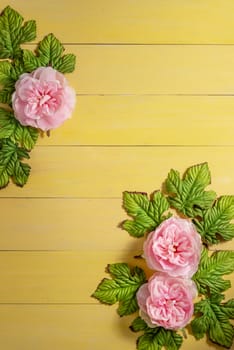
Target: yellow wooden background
(155,90)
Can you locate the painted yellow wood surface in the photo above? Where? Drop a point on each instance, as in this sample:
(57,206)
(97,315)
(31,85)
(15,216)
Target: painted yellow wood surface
(128,21)
(75,215)
(105,172)
(153,69)
(147,120)
(69,327)
(60,277)
(155,87)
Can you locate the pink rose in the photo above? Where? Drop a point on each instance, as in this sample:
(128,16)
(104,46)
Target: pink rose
(166,301)
(43,99)
(174,248)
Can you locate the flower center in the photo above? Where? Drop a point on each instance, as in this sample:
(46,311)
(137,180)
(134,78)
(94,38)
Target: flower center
(167,248)
(44,99)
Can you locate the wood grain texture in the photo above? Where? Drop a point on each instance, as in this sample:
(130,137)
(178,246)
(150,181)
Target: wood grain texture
(105,172)
(126,21)
(69,326)
(61,277)
(147,120)
(153,69)
(68,224)
(154,84)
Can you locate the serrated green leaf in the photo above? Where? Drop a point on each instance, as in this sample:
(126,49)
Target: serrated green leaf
(188,195)
(148,342)
(122,271)
(51,49)
(9,74)
(6,125)
(147,214)
(10,164)
(127,307)
(211,269)
(228,308)
(156,338)
(7,160)
(32,62)
(27,32)
(121,288)
(13,34)
(6,95)
(21,173)
(49,53)
(17,69)
(5,73)
(215,221)
(5,44)
(212,317)
(26,136)
(138,325)
(200,326)
(66,64)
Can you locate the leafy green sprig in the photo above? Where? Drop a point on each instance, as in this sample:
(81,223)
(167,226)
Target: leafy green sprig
(212,217)
(14,61)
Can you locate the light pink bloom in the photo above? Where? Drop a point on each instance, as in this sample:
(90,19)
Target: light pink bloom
(43,99)
(174,248)
(166,301)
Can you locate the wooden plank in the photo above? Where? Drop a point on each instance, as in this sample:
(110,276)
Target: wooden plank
(147,120)
(67,224)
(72,327)
(56,277)
(105,172)
(64,327)
(60,277)
(152,69)
(162,69)
(150,21)
(64,224)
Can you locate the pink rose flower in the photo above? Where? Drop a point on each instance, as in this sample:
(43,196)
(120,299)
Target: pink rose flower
(174,248)
(43,99)
(166,301)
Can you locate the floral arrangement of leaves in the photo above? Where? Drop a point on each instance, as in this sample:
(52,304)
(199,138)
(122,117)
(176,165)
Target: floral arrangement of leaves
(17,140)
(211,216)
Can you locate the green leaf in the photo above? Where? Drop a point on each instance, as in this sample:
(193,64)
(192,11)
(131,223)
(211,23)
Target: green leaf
(8,157)
(13,34)
(32,62)
(121,288)
(212,317)
(147,214)
(49,53)
(127,307)
(157,338)
(17,69)
(66,64)
(9,74)
(6,95)
(216,221)
(7,124)
(27,32)
(211,269)
(21,173)
(188,195)
(138,325)
(51,49)
(5,73)
(10,164)
(26,136)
